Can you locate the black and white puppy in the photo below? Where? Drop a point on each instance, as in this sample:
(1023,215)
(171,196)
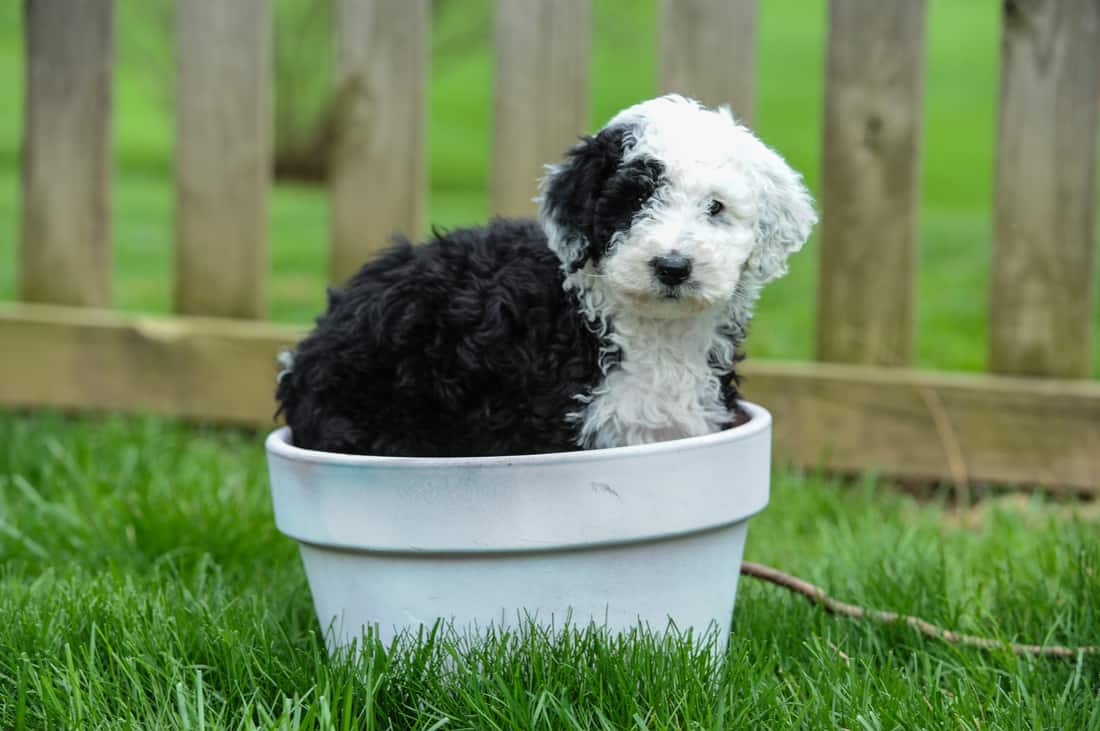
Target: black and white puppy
(614,320)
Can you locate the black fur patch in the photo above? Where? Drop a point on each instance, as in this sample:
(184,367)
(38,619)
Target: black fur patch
(465,346)
(731,394)
(595,195)
(624,195)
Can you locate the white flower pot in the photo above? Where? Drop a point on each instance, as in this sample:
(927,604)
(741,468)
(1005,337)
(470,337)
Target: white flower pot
(623,536)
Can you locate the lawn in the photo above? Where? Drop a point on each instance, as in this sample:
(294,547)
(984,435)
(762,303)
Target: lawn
(144,585)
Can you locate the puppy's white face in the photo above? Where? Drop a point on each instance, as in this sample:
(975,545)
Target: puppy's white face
(687,245)
(670,206)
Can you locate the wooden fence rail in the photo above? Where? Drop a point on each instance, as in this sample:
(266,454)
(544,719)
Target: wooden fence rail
(838,417)
(865,410)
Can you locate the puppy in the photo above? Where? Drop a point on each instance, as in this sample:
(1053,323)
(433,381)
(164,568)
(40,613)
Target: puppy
(614,320)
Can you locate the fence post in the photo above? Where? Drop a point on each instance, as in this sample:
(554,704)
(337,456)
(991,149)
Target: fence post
(378,170)
(870,181)
(540,96)
(708,52)
(1042,291)
(65,245)
(223,156)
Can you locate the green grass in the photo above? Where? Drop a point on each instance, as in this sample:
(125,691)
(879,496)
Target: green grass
(143,584)
(957,168)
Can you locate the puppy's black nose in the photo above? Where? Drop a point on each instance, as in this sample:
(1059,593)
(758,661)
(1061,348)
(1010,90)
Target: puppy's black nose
(671,269)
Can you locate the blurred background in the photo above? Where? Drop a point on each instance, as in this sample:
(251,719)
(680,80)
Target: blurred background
(956,179)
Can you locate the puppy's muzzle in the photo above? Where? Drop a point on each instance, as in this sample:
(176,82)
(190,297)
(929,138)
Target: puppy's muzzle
(672,269)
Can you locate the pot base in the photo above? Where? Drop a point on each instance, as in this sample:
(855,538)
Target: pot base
(690,581)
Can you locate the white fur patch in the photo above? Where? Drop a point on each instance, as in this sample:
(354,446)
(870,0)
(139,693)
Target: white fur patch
(285,358)
(662,386)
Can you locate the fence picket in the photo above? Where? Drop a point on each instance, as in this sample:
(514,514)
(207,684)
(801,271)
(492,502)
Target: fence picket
(223,156)
(1042,286)
(378,172)
(65,248)
(708,51)
(870,181)
(540,94)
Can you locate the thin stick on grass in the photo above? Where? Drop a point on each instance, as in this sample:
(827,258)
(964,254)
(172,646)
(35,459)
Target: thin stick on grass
(817,595)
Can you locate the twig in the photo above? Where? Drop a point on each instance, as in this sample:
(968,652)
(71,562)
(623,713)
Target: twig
(843,656)
(817,595)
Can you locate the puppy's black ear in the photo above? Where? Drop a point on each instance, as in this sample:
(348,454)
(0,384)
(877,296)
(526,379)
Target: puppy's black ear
(571,190)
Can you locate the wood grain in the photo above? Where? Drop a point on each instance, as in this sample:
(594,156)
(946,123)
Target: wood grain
(1043,286)
(708,52)
(924,425)
(206,369)
(378,168)
(844,418)
(540,96)
(65,250)
(870,181)
(223,156)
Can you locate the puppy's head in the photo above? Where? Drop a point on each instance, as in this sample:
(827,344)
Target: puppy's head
(675,209)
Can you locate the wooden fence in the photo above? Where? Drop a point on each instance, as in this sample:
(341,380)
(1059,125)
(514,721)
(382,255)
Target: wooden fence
(1035,419)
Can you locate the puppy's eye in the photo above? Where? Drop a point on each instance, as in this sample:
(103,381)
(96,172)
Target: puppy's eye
(715,208)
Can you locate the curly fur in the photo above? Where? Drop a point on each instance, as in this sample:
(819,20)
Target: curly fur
(523,338)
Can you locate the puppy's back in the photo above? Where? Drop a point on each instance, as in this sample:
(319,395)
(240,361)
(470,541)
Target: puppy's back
(466,345)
